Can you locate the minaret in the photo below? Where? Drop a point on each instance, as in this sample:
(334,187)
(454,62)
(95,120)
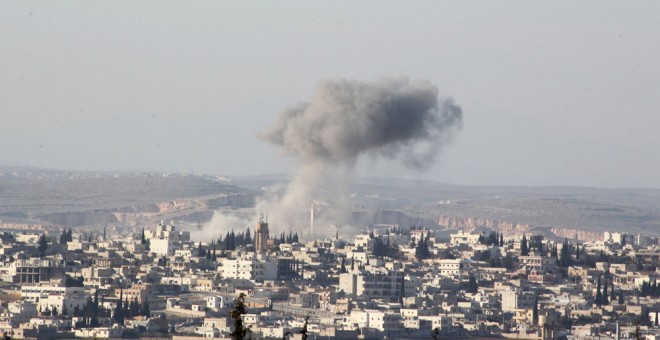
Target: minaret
(311,219)
(260,236)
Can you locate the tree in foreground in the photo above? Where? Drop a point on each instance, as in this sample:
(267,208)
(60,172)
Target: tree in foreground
(240,331)
(304,331)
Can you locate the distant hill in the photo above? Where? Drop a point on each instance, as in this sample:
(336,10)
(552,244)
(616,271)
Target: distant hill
(78,198)
(72,198)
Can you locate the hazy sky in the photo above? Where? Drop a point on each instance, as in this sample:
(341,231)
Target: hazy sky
(553,93)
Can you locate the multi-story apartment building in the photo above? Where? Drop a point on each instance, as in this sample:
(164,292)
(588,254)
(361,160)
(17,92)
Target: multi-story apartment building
(54,296)
(464,238)
(373,283)
(516,299)
(33,270)
(538,264)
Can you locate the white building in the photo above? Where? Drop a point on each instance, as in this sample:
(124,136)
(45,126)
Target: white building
(379,320)
(166,239)
(363,241)
(450,267)
(385,321)
(53,297)
(248,268)
(539,264)
(464,238)
(162,246)
(218,302)
(99,333)
(164,231)
(374,282)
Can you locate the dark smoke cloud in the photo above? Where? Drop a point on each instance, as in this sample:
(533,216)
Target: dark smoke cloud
(346,119)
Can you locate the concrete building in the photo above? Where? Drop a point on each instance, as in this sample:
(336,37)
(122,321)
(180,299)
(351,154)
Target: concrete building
(166,231)
(218,302)
(463,238)
(515,299)
(249,268)
(165,239)
(34,270)
(450,267)
(162,246)
(538,264)
(374,283)
(54,297)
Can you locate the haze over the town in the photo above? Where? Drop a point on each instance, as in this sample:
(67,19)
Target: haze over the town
(555,93)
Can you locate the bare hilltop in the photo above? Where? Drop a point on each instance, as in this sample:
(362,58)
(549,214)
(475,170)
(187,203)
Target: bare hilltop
(33,198)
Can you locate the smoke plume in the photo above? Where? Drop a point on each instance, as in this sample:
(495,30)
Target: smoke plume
(345,120)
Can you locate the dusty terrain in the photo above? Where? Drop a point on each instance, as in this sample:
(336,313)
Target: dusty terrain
(35,198)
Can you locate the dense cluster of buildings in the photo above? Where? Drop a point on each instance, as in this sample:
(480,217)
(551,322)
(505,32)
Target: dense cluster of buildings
(386,282)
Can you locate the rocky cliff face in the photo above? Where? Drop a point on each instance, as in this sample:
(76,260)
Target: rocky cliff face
(470,223)
(582,235)
(198,209)
(389,217)
(515,228)
(75,219)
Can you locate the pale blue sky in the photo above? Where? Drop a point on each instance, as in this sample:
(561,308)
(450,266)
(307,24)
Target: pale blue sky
(553,93)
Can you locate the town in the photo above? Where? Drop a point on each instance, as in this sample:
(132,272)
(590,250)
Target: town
(385,282)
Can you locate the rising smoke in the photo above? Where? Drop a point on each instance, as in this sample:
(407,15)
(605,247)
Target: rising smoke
(345,120)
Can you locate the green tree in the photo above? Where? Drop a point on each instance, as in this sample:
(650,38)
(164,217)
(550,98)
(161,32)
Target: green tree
(42,245)
(422,249)
(134,307)
(63,237)
(127,311)
(119,309)
(201,252)
(146,310)
(94,320)
(599,295)
(535,311)
(524,248)
(492,238)
(473,286)
(565,256)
